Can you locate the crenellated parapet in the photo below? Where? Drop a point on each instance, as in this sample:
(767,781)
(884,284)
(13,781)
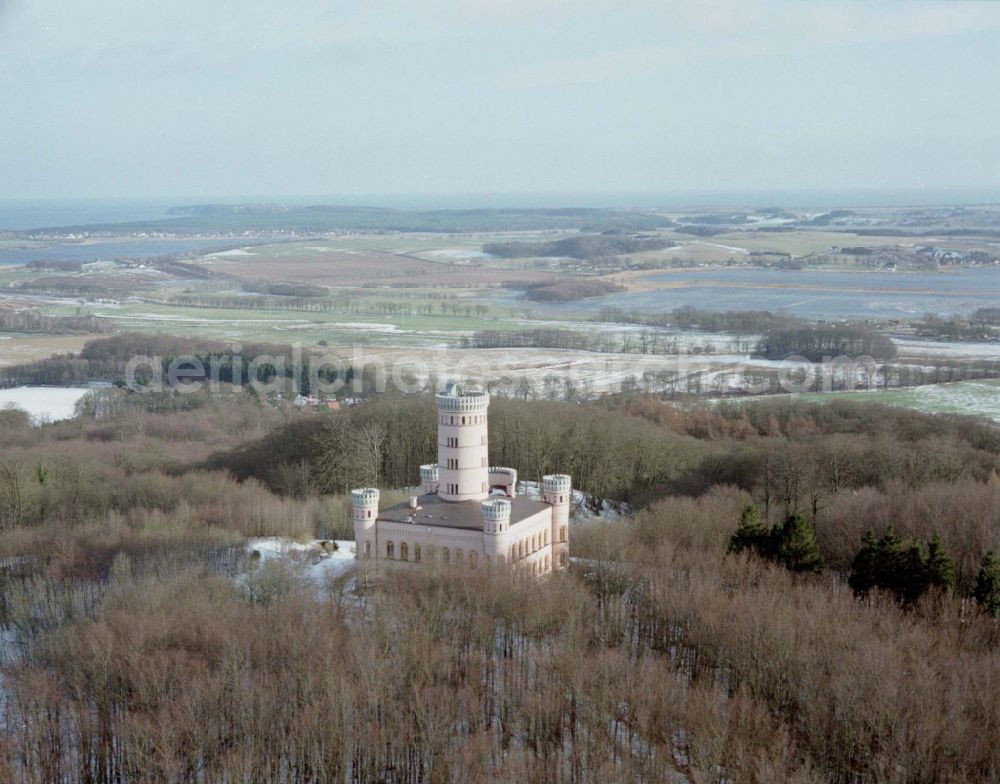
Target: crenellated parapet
(454,399)
(496,515)
(364,497)
(556,484)
(505,478)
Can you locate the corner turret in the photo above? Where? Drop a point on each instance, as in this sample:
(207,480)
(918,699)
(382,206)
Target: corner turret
(364,506)
(496,524)
(556,491)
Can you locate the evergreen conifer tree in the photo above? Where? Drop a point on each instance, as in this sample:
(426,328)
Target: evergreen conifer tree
(901,567)
(866,564)
(910,578)
(794,545)
(751,534)
(987,590)
(940,567)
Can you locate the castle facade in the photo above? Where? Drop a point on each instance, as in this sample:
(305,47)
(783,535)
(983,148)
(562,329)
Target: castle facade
(469,513)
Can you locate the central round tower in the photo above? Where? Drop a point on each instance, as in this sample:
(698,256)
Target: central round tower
(463,446)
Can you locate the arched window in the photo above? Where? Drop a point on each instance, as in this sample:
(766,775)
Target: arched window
(368,550)
(562,533)
(545,536)
(562,559)
(458,555)
(404,552)
(416,552)
(463,420)
(390,550)
(446,555)
(546,563)
(369,512)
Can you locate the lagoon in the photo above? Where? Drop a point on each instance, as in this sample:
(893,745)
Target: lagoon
(813,294)
(105,249)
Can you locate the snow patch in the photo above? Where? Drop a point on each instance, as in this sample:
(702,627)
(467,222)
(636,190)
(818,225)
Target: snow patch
(318,564)
(43,404)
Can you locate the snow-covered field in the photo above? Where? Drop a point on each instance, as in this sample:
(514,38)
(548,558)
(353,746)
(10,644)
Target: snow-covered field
(452,254)
(44,404)
(223,253)
(590,373)
(974,398)
(922,347)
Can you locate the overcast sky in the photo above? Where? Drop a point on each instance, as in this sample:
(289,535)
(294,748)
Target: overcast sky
(205,98)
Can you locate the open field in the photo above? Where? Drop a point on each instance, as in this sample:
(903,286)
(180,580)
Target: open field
(326,266)
(288,326)
(378,278)
(804,242)
(975,398)
(16,348)
(555,373)
(348,329)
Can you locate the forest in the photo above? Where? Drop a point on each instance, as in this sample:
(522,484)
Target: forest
(565,289)
(277,220)
(688,317)
(107,360)
(145,644)
(816,342)
(32,322)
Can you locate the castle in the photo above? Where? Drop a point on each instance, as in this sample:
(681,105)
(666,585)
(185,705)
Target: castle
(469,513)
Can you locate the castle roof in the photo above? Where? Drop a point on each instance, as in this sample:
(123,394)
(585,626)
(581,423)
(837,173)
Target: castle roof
(435,511)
